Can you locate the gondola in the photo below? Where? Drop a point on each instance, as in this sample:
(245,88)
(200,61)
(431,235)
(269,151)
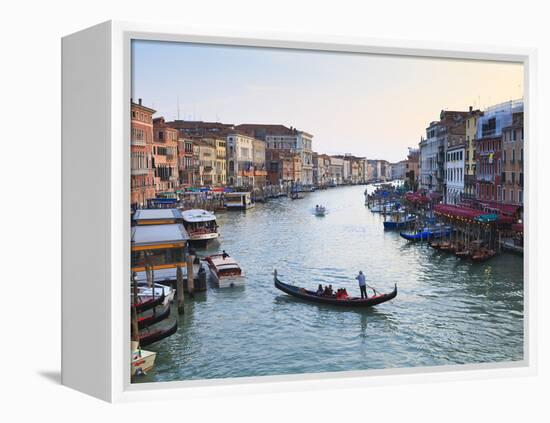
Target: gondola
(306,295)
(151,319)
(149,303)
(156,335)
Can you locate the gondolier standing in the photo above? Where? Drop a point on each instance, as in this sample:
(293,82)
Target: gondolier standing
(362,284)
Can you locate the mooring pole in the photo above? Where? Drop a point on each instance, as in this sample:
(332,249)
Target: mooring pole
(179,289)
(190,275)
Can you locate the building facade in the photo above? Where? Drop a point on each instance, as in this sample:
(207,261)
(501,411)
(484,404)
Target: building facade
(165,157)
(470,155)
(142,181)
(186,163)
(512,161)
(240,160)
(489,151)
(280,137)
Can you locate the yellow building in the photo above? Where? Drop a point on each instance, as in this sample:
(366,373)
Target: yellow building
(214,151)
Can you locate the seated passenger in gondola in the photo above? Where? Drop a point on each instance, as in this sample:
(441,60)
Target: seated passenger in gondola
(320,290)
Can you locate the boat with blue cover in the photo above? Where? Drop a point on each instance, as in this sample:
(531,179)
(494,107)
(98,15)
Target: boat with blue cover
(399,222)
(427,234)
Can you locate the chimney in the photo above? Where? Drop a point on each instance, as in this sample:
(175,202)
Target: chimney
(139,101)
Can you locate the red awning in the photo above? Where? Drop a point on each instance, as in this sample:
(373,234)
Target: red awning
(468,213)
(509,209)
(415,197)
(455,211)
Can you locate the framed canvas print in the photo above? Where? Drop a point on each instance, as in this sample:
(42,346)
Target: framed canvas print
(263,212)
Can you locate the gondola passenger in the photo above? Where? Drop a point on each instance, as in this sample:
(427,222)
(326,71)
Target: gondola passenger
(320,290)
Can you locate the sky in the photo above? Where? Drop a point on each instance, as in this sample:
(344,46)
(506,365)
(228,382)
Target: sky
(368,105)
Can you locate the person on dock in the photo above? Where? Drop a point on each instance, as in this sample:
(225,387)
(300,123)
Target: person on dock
(362,284)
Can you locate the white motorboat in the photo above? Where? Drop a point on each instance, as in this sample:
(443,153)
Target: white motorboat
(381,208)
(145,292)
(142,360)
(200,225)
(225,271)
(320,210)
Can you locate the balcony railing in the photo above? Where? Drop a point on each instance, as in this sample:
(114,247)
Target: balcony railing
(141,171)
(139,142)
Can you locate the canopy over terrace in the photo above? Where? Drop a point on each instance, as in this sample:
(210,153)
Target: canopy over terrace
(416,197)
(466,213)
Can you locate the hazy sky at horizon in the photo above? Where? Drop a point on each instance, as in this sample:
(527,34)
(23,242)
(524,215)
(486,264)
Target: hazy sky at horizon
(369,105)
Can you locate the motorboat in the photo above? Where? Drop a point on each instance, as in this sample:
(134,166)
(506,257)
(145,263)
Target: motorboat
(225,270)
(200,225)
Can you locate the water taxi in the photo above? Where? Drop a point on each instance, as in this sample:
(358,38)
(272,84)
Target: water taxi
(200,225)
(225,271)
(320,211)
(238,201)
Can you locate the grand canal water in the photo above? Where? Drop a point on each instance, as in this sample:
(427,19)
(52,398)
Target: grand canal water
(447,311)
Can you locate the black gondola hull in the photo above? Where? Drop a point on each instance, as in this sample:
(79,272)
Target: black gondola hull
(352,303)
(155,336)
(149,304)
(153,318)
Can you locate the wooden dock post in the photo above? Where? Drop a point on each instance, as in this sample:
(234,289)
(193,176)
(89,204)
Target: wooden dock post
(179,289)
(190,275)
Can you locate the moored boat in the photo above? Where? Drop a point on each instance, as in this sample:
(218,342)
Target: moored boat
(238,201)
(225,271)
(154,335)
(397,221)
(427,234)
(200,225)
(320,211)
(142,360)
(350,302)
(152,317)
(147,303)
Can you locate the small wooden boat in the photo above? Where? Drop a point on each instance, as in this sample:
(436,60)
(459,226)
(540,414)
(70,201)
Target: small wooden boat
(148,303)
(462,254)
(435,244)
(142,360)
(154,335)
(482,255)
(445,246)
(153,317)
(225,271)
(311,296)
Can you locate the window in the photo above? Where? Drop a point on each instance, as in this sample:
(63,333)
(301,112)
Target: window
(513,155)
(511,196)
(504,156)
(520,197)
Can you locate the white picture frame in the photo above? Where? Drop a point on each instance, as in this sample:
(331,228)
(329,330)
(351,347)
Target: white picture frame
(96,211)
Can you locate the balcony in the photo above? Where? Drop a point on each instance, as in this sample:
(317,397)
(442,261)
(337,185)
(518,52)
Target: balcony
(138,142)
(485,178)
(140,172)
